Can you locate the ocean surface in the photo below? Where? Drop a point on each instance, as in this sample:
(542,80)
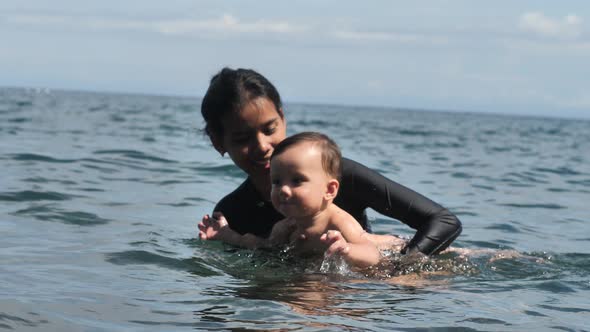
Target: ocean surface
(100,195)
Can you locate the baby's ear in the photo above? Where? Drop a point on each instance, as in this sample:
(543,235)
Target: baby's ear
(332,189)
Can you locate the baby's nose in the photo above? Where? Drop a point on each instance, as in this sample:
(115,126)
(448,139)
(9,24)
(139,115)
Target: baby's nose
(285,191)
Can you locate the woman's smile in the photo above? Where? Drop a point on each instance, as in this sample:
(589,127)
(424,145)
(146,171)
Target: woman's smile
(257,128)
(265,163)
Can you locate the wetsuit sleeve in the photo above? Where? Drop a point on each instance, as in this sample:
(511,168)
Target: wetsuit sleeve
(436,227)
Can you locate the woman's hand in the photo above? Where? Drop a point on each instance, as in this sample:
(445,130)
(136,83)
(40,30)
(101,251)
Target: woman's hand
(213,228)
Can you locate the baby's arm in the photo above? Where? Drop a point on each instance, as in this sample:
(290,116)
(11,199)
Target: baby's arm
(386,241)
(217,228)
(359,252)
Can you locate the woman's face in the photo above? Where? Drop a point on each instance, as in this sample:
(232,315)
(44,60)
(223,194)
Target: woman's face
(249,137)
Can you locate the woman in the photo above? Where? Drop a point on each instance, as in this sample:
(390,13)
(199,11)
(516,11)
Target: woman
(244,118)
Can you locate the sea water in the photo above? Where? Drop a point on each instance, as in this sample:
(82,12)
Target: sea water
(100,195)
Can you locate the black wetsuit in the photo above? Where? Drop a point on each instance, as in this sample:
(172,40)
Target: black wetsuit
(360,188)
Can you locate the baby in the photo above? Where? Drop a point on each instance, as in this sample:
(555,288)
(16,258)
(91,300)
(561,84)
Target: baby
(305,171)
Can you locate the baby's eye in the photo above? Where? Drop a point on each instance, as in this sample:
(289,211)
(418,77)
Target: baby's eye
(297,180)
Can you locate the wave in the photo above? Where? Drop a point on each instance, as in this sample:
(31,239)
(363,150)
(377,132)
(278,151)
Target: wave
(133,154)
(134,257)
(50,212)
(31,195)
(39,157)
(550,206)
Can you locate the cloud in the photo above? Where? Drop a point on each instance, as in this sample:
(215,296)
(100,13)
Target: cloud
(569,27)
(388,37)
(225,24)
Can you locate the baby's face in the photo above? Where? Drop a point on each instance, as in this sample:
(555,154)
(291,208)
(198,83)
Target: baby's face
(299,181)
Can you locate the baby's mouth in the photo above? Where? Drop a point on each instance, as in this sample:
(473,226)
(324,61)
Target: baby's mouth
(285,202)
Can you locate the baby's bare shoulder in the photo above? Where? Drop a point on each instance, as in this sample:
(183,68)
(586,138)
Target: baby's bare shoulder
(343,221)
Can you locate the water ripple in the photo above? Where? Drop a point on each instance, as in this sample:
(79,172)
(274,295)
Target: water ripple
(559,171)
(133,164)
(131,257)
(585,183)
(224,170)
(30,195)
(50,212)
(486,321)
(19,120)
(39,157)
(426,132)
(313,123)
(549,206)
(565,309)
(504,227)
(17,320)
(133,154)
(555,286)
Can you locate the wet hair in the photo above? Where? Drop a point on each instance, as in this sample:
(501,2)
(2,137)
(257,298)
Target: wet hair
(331,156)
(230,91)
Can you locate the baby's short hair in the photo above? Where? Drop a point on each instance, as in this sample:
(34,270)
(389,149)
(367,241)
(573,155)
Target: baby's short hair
(331,156)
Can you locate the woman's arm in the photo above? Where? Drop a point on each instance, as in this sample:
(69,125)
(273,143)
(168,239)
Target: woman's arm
(435,226)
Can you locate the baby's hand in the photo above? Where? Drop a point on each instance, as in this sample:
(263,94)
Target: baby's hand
(211,228)
(337,244)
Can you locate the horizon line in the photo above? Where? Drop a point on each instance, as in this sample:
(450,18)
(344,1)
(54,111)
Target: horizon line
(48,90)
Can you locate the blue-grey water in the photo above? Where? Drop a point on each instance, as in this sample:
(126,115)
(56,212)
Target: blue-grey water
(100,195)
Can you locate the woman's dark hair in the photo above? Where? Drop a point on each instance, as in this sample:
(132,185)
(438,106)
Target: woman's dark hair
(229,91)
(331,156)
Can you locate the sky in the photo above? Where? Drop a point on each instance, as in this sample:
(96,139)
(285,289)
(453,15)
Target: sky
(529,57)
